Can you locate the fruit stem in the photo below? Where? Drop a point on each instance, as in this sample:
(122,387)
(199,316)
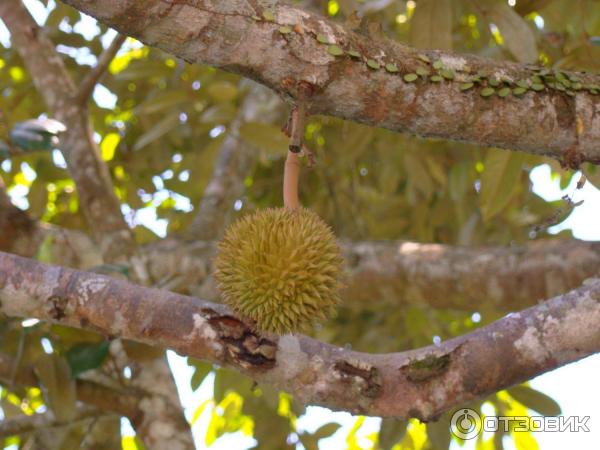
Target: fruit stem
(291,174)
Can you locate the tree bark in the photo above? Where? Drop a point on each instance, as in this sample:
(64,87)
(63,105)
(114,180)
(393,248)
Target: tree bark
(238,37)
(420,383)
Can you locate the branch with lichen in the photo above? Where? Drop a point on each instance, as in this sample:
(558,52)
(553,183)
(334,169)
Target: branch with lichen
(419,383)
(375,81)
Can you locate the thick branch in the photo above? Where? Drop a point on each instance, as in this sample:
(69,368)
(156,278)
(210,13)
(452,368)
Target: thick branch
(96,73)
(420,383)
(225,35)
(97,198)
(443,276)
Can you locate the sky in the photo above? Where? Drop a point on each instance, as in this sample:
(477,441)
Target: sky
(574,386)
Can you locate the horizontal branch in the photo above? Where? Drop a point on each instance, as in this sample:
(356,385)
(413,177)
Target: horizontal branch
(36,422)
(420,383)
(503,278)
(372,80)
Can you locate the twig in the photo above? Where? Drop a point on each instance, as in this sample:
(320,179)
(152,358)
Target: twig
(291,174)
(95,74)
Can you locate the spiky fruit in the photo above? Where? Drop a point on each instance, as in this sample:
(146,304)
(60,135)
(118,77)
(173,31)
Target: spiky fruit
(281,268)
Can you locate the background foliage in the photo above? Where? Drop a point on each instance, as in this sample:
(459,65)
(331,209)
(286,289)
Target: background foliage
(160,123)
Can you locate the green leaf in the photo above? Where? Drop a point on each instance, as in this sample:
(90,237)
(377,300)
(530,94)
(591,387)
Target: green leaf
(392,68)
(410,77)
(500,180)
(264,137)
(322,39)
(168,123)
(162,101)
(447,74)
(109,145)
(466,86)
(202,368)
(391,432)
(487,92)
(536,400)
(86,356)
(222,91)
(335,50)
(431,25)
(285,29)
(268,15)
(519,91)
(58,387)
(326,430)
(373,64)
(505,91)
(517,34)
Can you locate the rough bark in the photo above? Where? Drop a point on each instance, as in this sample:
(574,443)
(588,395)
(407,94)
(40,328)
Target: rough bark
(419,383)
(238,36)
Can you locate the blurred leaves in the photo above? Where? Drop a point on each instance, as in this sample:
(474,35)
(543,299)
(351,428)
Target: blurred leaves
(86,356)
(58,387)
(500,181)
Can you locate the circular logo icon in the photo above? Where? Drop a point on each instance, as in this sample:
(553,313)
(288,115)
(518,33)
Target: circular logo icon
(465,423)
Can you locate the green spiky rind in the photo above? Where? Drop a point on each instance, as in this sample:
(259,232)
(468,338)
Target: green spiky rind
(281,268)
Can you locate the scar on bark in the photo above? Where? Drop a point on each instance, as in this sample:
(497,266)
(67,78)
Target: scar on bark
(363,377)
(426,368)
(244,346)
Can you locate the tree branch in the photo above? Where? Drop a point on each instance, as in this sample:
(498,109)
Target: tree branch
(35,422)
(419,383)
(224,34)
(94,186)
(95,74)
(501,278)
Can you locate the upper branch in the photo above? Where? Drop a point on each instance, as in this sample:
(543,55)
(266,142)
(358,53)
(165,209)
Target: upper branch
(364,79)
(419,383)
(96,73)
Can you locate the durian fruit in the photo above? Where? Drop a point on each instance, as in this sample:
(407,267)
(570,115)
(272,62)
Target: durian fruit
(280,268)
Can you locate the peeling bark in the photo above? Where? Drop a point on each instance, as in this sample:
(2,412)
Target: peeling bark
(228,36)
(420,383)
